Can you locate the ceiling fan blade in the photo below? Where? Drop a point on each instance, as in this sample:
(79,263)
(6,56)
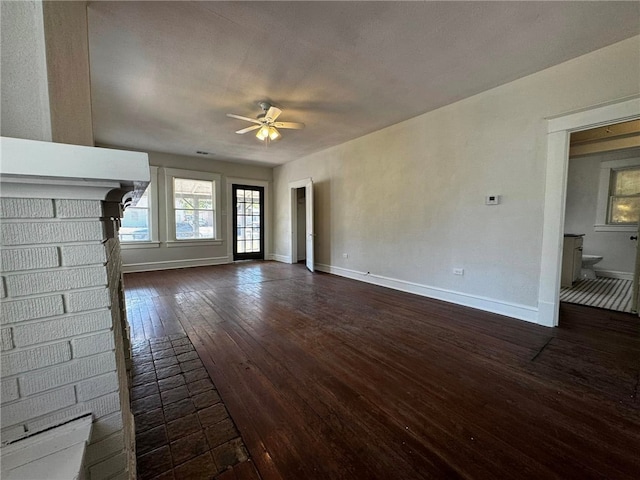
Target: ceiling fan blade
(239,117)
(248,129)
(272,114)
(297,126)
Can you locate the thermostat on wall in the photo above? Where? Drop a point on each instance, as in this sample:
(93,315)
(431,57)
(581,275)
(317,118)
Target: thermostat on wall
(492,200)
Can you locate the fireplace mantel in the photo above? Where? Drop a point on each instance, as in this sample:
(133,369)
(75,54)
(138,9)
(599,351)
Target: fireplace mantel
(70,171)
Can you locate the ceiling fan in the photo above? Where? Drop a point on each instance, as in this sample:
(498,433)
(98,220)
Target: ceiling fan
(266,123)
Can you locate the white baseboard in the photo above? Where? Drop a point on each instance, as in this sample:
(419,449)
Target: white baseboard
(614,274)
(521,312)
(171,264)
(280,258)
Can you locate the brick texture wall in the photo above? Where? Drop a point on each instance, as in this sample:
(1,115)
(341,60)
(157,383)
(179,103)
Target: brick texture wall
(64,333)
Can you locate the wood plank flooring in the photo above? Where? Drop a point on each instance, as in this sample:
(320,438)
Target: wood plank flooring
(329,378)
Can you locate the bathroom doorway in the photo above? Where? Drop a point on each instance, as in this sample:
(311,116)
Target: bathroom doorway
(602,208)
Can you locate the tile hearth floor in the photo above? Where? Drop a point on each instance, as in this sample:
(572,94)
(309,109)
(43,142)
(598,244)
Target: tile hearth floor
(183,429)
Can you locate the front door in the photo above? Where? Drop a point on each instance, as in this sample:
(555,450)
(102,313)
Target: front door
(248,222)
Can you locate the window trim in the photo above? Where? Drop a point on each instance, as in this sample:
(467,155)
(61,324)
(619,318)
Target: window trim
(153,242)
(169,175)
(604,191)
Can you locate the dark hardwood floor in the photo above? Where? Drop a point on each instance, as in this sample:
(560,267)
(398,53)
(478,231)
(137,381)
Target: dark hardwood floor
(329,378)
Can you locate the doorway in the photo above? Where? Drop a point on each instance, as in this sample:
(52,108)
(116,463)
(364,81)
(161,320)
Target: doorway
(559,130)
(302,224)
(601,217)
(248,222)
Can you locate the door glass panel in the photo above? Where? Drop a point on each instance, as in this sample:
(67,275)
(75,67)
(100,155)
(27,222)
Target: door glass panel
(248,222)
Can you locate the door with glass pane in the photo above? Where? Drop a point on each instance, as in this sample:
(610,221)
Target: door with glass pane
(248,222)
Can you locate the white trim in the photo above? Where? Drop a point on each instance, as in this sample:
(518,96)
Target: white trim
(135,245)
(520,312)
(293,215)
(172,264)
(267,208)
(60,160)
(614,274)
(280,258)
(204,242)
(615,228)
(559,130)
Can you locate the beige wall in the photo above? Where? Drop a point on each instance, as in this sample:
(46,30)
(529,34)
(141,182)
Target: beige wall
(407,202)
(140,259)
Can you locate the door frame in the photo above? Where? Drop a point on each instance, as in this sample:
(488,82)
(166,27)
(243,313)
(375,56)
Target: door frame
(559,129)
(267,213)
(293,215)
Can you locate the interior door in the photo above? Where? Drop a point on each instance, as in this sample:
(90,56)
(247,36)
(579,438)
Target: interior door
(308,192)
(248,222)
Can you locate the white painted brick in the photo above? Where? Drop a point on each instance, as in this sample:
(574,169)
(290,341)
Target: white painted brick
(9,390)
(103,449)
(105,405)
(69,372)
(55,281)
(108,468)
(12,433)
(57,418)
(78,208)
(97,387)
(106,426)
(23,410)
(32,308)
(74,255)
(30,233)
(87,300)
(25,208)
(16,259)
(65,327)
(26,360)
(85,346)
(7,341)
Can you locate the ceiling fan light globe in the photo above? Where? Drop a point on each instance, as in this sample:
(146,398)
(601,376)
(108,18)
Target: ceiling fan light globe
(263,133)
(273,133)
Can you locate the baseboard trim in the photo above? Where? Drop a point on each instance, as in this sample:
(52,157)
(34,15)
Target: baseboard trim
(520,312)
(280,258)
(172,264)
(614,274)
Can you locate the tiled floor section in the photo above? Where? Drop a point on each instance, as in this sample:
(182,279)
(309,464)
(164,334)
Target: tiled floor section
(183,430)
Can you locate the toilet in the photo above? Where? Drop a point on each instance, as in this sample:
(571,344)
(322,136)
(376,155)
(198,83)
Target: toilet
(588,261)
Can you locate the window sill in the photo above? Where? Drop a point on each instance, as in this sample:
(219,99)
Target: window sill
(615,228)
(194,243)
(133,245)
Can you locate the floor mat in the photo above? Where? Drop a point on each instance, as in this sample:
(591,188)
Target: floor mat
(609,293)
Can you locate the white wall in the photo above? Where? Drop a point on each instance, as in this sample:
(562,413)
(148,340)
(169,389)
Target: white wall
(45,72)
(155,258)
(23,87)
(407,202)
(582,198)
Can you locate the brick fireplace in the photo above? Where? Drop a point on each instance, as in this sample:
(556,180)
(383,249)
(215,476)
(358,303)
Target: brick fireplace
(65,342)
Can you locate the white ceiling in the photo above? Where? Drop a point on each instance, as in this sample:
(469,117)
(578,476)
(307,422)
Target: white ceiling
(165,74)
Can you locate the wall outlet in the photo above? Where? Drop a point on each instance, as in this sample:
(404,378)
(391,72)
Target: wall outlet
(458,271)
(345,255)
(492,200)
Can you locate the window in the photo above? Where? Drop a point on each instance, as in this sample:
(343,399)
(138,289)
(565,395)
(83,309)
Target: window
(193,200)
(138,224)
(624,199)
(135,221)
(618,206)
